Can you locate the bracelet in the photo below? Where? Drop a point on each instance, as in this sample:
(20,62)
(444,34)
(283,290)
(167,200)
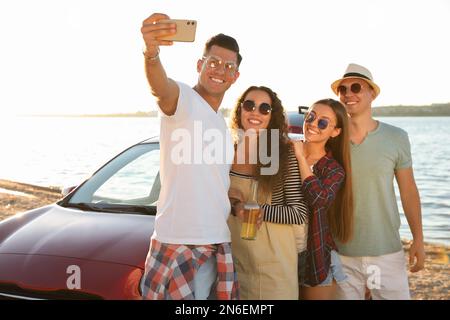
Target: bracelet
(151,58)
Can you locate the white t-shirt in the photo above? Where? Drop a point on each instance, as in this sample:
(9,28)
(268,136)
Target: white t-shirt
(196,157)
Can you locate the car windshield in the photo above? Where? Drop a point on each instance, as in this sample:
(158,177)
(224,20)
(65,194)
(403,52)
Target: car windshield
(128,183)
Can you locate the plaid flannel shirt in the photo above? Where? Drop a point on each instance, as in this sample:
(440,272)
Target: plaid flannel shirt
(171,268)
(320,190)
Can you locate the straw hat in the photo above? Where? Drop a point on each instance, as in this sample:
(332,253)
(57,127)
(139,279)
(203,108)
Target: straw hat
(355,71)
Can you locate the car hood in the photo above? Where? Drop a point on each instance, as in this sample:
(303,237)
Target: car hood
(65,232)
(52,277)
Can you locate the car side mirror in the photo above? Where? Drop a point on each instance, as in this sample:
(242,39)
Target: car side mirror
(302,109)
(65,191)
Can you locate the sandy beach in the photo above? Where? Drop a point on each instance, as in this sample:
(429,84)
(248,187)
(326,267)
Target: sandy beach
(432,283)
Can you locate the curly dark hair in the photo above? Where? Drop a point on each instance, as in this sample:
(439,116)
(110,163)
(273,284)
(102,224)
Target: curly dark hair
(277,122)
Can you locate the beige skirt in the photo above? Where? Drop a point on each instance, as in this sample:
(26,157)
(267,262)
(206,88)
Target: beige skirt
(266,267)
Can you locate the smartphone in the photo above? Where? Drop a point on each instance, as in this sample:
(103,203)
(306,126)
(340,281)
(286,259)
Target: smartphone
(185,30)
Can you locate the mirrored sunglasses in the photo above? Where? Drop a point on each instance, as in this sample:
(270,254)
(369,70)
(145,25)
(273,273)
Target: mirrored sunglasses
(322,123)
(213,62)
(250,105)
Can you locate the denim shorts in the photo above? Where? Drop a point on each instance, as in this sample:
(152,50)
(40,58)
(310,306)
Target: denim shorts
(336,270)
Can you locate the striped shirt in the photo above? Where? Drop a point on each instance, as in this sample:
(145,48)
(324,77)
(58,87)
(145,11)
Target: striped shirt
(288,204)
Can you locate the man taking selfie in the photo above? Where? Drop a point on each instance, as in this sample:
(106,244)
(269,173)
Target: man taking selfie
(190,251)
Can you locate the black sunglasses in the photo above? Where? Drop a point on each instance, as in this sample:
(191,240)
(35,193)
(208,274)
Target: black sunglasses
(250,105)
(355,88)
(322,123)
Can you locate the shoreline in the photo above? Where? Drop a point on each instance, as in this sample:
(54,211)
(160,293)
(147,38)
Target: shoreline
(17,197)
(432,283)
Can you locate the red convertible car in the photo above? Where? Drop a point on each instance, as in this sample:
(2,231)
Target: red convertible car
(93,243)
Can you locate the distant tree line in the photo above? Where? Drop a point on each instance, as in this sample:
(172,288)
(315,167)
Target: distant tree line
(434,110)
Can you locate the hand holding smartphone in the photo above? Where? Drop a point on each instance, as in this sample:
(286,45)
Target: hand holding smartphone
(185,30)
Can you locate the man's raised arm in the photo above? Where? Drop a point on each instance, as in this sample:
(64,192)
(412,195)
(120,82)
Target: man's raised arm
(163,88)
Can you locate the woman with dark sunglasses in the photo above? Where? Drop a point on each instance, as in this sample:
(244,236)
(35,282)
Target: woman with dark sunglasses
(267,266)
(324,165)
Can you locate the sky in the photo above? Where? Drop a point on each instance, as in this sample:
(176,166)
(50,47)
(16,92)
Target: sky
(85,56)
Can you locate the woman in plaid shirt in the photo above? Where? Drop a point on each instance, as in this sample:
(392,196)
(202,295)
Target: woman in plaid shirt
(324,163)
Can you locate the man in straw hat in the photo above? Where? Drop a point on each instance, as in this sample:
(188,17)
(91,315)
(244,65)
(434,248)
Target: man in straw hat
(374,256)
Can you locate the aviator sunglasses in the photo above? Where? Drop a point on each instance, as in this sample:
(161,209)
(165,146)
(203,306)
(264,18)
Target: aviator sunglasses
(250,105)
(213,62)
(355,88)
(322,123)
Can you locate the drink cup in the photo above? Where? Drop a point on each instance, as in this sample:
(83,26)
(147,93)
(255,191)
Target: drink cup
(251,214)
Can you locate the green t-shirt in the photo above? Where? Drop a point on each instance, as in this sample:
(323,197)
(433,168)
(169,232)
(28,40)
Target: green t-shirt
(376,215)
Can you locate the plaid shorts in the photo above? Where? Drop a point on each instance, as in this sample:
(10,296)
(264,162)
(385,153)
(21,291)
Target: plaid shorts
(170,271)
